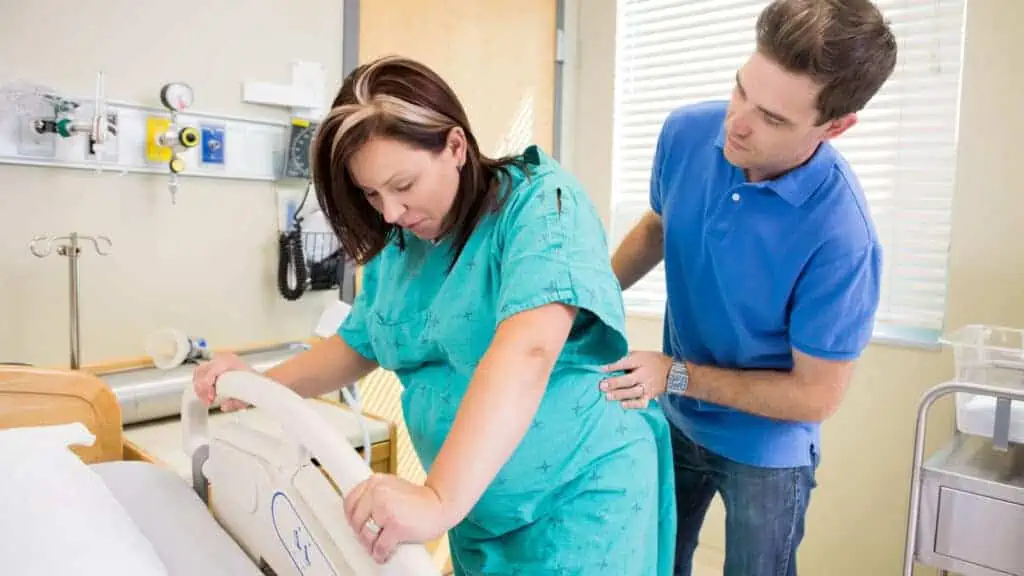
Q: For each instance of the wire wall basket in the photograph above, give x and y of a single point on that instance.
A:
(309, 262)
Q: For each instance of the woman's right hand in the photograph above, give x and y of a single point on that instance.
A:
(204, 380)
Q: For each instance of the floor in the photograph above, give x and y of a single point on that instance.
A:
(706, 562)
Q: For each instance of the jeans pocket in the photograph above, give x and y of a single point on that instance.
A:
(812, 472)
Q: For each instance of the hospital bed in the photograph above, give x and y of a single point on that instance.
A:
(150, 401)
(253, 501)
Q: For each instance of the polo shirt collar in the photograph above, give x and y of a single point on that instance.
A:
(797, 185)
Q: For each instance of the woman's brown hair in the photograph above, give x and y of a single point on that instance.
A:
(404, 100)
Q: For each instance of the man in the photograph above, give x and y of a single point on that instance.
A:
(772, 266)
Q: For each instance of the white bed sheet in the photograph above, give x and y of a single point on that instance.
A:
(57, 516)
(175, 520)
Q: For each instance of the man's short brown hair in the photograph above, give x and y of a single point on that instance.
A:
(845, 46)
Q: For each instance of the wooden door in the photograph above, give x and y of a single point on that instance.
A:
(499, 57)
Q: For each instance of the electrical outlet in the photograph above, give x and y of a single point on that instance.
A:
(32, 144)
(212, 141)
(288, 198)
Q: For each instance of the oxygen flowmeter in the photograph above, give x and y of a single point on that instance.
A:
(167, 140)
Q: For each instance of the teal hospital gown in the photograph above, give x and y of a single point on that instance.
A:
(589, 490)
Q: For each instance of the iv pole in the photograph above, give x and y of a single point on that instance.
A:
(41, 246)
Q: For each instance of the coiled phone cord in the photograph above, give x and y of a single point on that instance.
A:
(291, 257)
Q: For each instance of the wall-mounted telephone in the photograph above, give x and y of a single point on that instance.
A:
(311, 261)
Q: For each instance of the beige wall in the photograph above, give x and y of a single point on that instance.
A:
(207, 265)
(219, 280)
(856, 524)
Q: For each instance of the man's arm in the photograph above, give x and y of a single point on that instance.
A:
(833, 312)
(640, 251)
(811, 392)
(499, 405)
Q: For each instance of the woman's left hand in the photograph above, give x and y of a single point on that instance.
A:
(385, 511)
(645, 378)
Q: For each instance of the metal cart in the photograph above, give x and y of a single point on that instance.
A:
(966, 511)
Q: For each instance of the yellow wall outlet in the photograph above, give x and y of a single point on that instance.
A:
(154, 128)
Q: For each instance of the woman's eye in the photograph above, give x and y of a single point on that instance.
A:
(404, 187)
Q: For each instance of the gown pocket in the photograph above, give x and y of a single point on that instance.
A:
(402, 343)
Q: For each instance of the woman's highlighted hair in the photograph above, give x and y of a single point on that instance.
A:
(403, 100)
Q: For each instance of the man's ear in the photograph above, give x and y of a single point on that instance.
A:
(836, 127)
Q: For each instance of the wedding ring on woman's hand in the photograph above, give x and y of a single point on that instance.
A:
(372, 526)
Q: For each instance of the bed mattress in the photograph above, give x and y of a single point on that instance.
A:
(171, 515)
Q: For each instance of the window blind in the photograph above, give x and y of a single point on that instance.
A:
(675, 52)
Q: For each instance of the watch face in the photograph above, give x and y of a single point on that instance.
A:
(677, 378)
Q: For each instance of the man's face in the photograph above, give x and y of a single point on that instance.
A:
(772, 122)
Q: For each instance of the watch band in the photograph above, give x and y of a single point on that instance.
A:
(678, 378)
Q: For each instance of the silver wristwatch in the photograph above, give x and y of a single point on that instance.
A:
(678, 378)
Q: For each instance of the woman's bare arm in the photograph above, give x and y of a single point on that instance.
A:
(329, 364)
(499, 405)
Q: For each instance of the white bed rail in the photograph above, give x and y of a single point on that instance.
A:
(302, 424)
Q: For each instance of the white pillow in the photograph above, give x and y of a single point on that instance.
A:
(57, 515)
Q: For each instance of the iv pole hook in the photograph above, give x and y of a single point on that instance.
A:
(42, 246)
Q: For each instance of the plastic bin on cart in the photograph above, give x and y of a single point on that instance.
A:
(993, 356)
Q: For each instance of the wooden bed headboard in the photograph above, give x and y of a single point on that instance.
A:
(39, 396)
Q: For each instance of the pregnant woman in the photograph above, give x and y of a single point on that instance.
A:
(487, 289)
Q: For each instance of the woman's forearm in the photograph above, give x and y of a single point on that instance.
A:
(498, 406)
(328, 365)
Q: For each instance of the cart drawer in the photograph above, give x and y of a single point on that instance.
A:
(980, 530)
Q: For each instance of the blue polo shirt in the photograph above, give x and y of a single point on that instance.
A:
(754, 270)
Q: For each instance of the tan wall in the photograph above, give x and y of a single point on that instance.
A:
(856, 524)
(217, 280)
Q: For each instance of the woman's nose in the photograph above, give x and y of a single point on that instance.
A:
(391, 210)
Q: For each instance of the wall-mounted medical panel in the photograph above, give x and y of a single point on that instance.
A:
(43, 128)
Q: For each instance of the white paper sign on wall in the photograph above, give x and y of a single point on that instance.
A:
(304, 95)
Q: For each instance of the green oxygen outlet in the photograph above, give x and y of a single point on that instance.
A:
(64, 127)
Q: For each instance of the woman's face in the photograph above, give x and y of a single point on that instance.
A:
(410, 187)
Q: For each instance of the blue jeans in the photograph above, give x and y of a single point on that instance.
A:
(764, 510)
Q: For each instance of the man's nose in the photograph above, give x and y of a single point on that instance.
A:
(739, 124)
